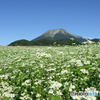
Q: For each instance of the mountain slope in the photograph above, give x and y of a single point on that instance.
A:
(59, 34)
(95, 40)
(52, 37)
(22, 42)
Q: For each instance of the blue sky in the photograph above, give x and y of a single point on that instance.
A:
(27, 19)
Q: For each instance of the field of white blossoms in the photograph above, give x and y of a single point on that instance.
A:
(50, 73)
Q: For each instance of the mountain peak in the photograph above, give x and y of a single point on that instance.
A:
(56, 34)
(52, 33)
(60, 29)
(56, 31)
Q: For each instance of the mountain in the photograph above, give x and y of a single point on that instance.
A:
(95, 40)
(52, 37)
(59, 34)
(22, 42)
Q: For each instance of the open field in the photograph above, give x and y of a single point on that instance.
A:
(49, 73)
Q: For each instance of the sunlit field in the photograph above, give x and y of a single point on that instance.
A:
(50, 73)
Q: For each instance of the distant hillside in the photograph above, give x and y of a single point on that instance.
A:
(20, 43)
(95, 40)
(52, 37)
(45, 42)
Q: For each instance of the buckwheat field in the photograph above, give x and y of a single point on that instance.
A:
(49, 73)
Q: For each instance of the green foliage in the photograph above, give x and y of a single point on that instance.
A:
(21, 43)
(63, 42)
(95, 40)
(49, 73)
(44, 42)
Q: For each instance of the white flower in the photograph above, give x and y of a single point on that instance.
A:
(51, 69)
(7, 94)
(79, 63)
(64, 72)
(62, 53)
(4, 76)
(27, 82)
(51, 91)
(41, 66)
(98, 55)
(38, 95)
(71, 87)
(6, 90)
(84, 71)
(76, 97)
(43, 55)
(38, 82)
(85, 78)
(59, 92)
(86, 62)
(55, 85)
(66, 83)
(72, 60)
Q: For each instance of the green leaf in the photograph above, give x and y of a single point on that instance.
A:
(55, 97)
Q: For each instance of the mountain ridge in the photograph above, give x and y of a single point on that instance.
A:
(51, 37)
(54, 32)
